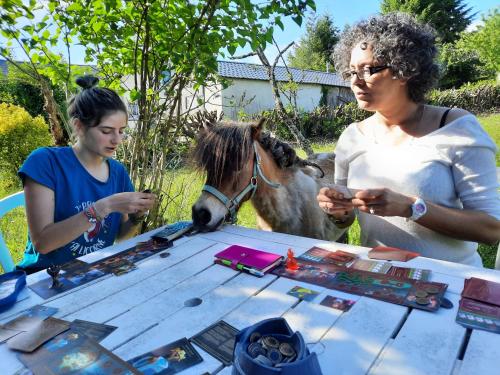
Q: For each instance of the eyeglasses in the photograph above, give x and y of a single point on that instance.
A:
(364, 73)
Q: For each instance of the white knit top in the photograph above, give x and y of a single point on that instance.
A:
(454, 166)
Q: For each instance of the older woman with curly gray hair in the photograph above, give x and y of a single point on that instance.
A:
(423, 177)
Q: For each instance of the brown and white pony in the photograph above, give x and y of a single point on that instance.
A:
(241, 162)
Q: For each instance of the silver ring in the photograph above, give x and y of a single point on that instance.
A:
(372, 210)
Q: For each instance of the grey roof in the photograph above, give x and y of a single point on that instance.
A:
(231, 69)
(3, 67)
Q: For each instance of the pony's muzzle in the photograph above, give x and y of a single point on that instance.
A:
(201, 216)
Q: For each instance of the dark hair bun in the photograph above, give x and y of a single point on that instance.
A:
(87, 82)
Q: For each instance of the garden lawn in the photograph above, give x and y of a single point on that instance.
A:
(183, 188)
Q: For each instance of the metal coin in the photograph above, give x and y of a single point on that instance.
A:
(422, 301)
(270, 342)
(274, 356)
(420, 294)
(286, 349)
(255, 337)
(255, 349)
(432, 289)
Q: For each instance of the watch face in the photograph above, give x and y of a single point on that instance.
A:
(419, 208)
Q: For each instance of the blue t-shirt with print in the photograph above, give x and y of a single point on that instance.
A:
(74, 189)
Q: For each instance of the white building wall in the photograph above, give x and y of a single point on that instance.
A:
(251, 96)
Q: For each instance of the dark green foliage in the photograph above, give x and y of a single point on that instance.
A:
(315, 48)
(460, 66)
(482, 97)
(323, 122)
(448, 17)
(28, 95)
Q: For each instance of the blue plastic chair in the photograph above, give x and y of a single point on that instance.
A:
(8, 204)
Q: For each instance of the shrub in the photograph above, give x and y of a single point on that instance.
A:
(19, 135)
(481, 97)
(321, 123)
(24, 93)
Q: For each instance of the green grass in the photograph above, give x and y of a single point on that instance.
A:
(183, 186)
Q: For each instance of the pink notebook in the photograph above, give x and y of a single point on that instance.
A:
(236, 255)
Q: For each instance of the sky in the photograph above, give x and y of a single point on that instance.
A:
(343, 12)
(348, 12)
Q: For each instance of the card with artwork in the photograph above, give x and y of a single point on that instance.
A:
(337, 303)
(303, 293)
(74, 353)
(167, 360)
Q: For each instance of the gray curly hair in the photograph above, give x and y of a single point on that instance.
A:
(401, 42)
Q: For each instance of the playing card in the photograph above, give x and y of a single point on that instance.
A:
(302, 293)
(6, 334)
(23, 322)
(337, 303)
(74, 353)
(168, 359)
(391, 253)
(40, 311)
(478, 315)
(95, 331)
(371, 266)
(338, 257)
(346, 192)
(36, 336)
(218, 340)
(410, 273)
(116, 265)
(44, 287)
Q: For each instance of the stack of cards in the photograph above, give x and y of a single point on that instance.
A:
(218, 341)
(338, 257)
(168, 359)
(480, 305)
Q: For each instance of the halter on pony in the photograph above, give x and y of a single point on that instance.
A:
(232, 204)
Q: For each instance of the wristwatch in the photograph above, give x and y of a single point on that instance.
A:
(418, 209)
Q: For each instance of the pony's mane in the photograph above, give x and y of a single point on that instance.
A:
(222, 150)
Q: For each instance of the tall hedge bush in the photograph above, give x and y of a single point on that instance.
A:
(20, 134)
(481, 97)
(326, 123)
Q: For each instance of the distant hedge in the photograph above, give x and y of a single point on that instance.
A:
(481, 97)
(327, 123)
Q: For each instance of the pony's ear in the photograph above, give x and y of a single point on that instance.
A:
(257, 128)
(207, 125)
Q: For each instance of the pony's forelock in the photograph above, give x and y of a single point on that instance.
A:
(223, 149)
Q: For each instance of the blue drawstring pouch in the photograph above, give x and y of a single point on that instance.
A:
(244, 363)
(11, 284)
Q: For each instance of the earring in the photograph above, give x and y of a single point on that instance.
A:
(394, 77)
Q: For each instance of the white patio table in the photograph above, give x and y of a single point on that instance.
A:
(373, 337)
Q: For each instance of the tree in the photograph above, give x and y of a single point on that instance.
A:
(35, 38)
(153, 50)
(460, 65)
(486, 41)
(448, 17)
(315, 47)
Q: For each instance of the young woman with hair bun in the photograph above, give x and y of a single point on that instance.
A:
(78, 198)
